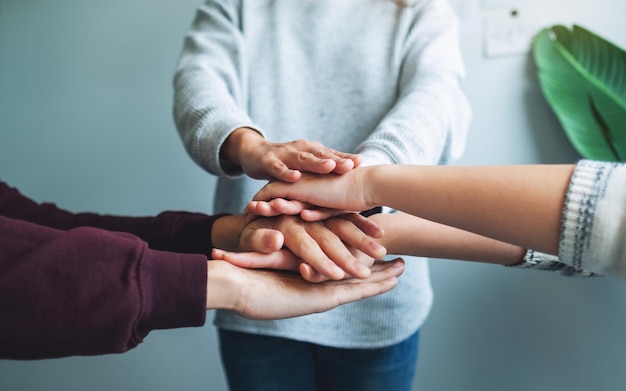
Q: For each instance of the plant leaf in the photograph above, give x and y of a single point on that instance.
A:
(583, 78)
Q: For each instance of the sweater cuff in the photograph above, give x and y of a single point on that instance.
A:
(173, 288)
(374, 157)
(586, 187)
(211, 142)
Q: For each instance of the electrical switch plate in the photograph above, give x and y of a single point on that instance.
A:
(509, 31)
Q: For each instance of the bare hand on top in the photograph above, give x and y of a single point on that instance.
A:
(261, 159)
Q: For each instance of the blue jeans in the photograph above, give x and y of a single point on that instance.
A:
(256, 362)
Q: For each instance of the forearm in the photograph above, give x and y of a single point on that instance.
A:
(514, 204)
(169, 231)
(87, 291)
(409, 235)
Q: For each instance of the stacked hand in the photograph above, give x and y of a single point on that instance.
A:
(261, 159)
(331, 244)
(262, 294)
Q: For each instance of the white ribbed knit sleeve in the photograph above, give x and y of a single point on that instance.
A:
(593, 228)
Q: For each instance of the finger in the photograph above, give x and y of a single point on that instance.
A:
(332, 239)
(280, 169)
(380, 270)
(357, 159)
(308, 273)
(273, 190)
(355, 237)
(366, 225)
(302, 155)
(343, 166)
(300, 241)
(260, 208)
(265, 240)
(344, 161)
(316, 164)
(319, 214)
(281, 260)
(288, 207)
(335, 249)
(275, 207)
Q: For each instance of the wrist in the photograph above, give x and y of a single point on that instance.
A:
(239, 143)
(222, 288)
(227, 231)
(371, 183)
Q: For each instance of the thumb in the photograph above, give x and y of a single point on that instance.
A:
(265, 240)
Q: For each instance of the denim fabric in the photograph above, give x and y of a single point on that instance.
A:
(254, 362)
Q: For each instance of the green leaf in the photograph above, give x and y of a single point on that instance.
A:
(583, 78)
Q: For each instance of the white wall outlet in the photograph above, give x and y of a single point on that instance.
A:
(509, 31)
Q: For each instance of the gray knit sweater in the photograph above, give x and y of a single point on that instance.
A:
(364, 76)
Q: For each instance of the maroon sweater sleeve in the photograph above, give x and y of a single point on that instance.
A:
(170, 231)
(81, 290)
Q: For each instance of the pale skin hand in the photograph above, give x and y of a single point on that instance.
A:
(324, 248)
(257, 294)
(333, 193)
(514, 204)
(261, 159)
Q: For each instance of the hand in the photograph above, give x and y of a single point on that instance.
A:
(339, 192)
(326, 246)
(259, 294)
(261, 159)
(282, 260)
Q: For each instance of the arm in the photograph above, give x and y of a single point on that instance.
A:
(322, 245)
(410, 235)
(210, 100)
(516, 204)
(170, 231)
(429, 121)
(573, 211)
(87, 291)
(406, 235)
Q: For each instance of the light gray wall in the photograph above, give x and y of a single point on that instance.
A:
(85, 121)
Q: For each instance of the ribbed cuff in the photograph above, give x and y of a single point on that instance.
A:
(588, 179)
(173, 288)
(211, 141)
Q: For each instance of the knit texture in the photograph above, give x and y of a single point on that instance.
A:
(364, 76)
(593, 224)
